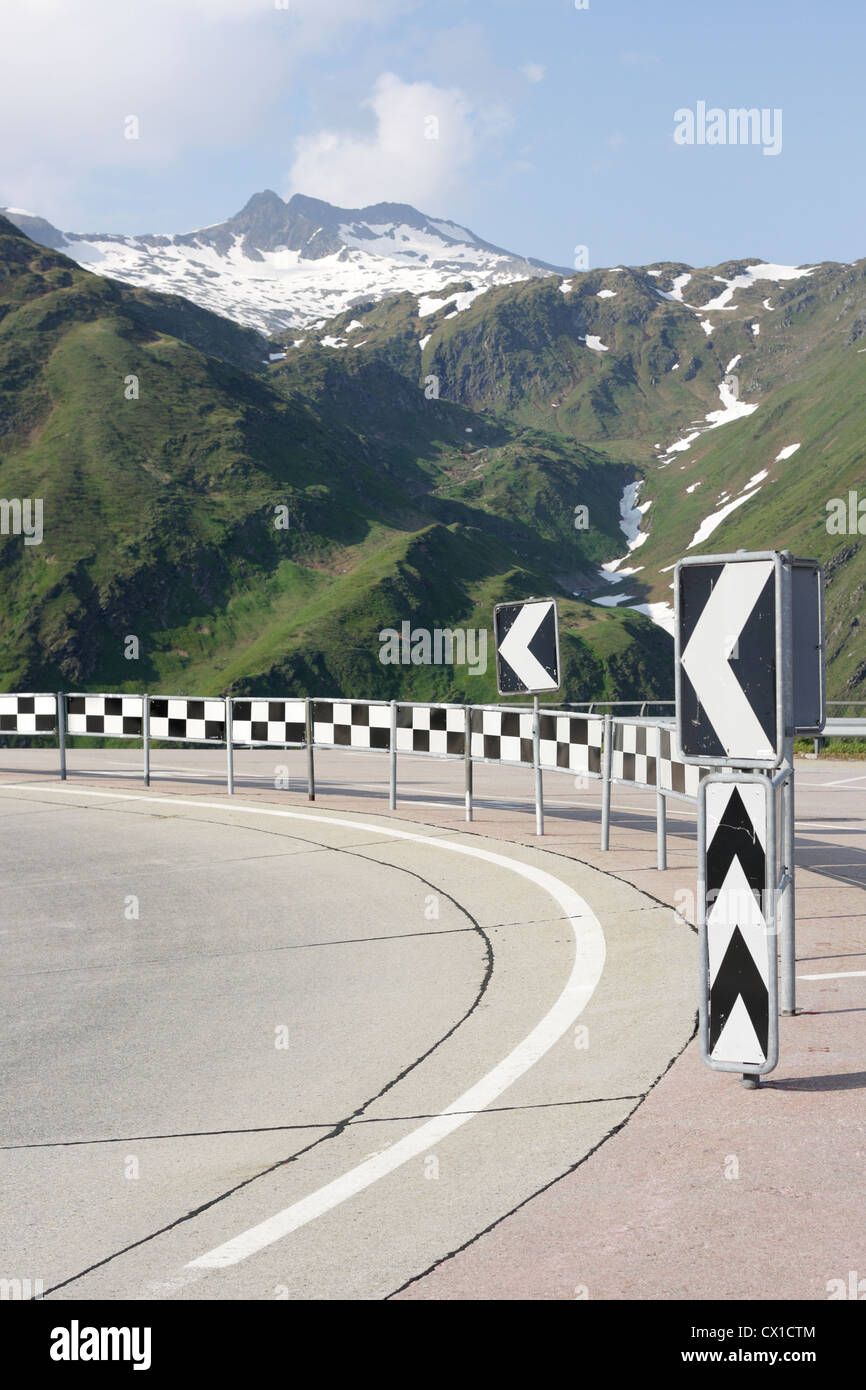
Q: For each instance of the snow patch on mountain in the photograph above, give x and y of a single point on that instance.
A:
(732, 409)
(662, 614)
(429, 305)
(711, 523)
(676, 291)
(631, 513)
(763, 271)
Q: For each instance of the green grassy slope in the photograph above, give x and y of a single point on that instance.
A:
(159, 509)
(520, 354)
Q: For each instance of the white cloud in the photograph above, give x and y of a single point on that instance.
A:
(534, 72)
(199, 74)
(423, 139)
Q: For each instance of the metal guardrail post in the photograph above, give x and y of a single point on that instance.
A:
(230, 762)
(661, 831)
(145, 738)
(311, 769)
(61, 733)
(392, 760)
(467, 761)
(788, 944)
(536, 759)
(606, 761)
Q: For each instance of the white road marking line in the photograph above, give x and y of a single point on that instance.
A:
(843, 781)
(589, 957)
(836, 975)
(831, 825)
(119, 772)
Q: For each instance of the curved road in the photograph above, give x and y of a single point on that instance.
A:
(257, 1053)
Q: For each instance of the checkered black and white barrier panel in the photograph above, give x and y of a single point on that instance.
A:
(436, 729)
(351, 724)
(185, 720)
(644, 754)
(567, 743)
(111, 716)
(571, 743)
(501, 736)
(28, 714)
(269, 721)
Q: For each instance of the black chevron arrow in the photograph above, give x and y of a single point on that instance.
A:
(738, 977)
(736, 838)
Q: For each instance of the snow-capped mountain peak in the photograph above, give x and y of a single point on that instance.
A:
(279, 265)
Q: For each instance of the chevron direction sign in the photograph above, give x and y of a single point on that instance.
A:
(728, 664)
(737, 882)
(527, 647)
(749, 656)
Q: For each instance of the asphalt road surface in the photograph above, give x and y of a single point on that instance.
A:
(258, 1055)
(263, 1049)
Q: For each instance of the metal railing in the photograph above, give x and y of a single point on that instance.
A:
(472, 734)
(842, 726)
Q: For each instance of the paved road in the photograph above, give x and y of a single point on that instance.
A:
(403, 1026)
(230, 1036)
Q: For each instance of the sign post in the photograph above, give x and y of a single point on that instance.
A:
(527, 663)
(749, 677)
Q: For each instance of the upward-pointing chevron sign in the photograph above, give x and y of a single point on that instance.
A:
(738, 942)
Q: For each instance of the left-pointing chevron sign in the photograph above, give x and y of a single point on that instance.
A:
(739, 989)
(527, 647)
(728, 676)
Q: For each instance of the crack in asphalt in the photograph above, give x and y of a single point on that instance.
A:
(327, 1124)
(338, 1128)
(615, 1129)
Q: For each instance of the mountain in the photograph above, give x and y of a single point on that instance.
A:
(160, 444)
(278, 266)
(436, 451)
(734, 393)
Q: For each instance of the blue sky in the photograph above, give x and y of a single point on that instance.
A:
(555, 126)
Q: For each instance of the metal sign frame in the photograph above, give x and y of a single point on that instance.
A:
(771, 896)
(784, 671)
(523, 603)
(803, 564)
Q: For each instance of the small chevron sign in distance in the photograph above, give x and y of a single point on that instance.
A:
(527, 647)
(739, 995)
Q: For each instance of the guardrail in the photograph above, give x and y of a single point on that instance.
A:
(634, 750)
(843, 726)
